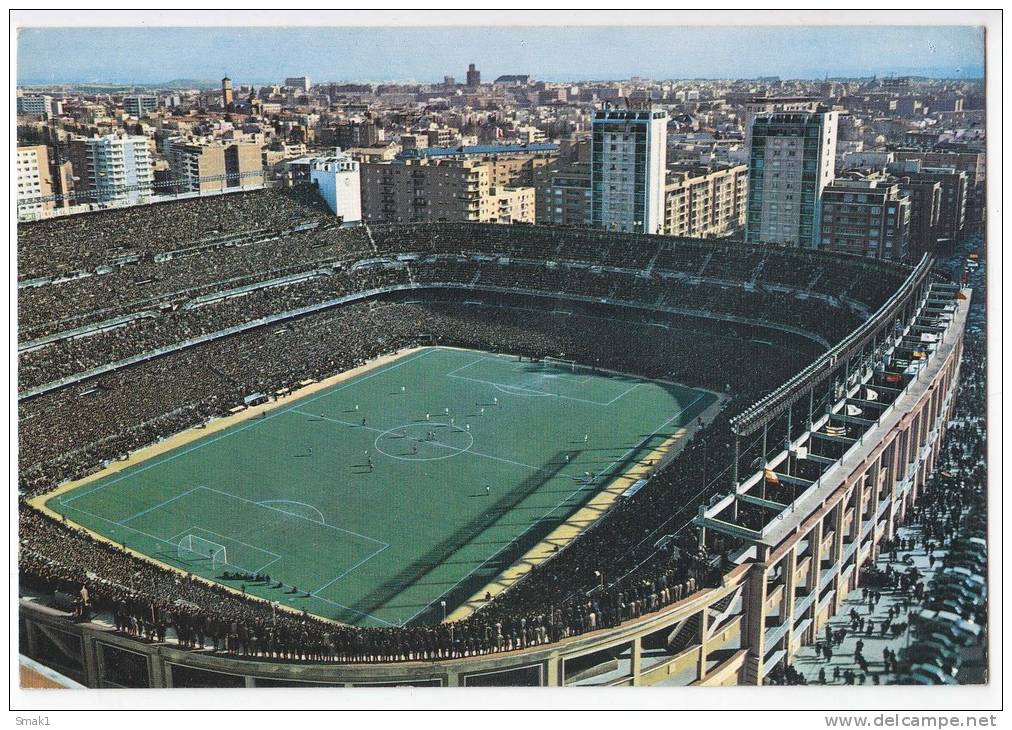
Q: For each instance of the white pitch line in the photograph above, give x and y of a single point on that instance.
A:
(293, 514)
(547, 514)
(533, 391)
(160, 504)
(360, 562)
(265, 502)
(467, 365)
(254, 422)
(353, 610)
(433, 443)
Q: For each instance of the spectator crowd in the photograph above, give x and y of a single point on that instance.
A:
(715, 315)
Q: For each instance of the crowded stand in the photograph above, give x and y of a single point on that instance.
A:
(637, 305)
(81, 242)
(508, 624)
(77, 282)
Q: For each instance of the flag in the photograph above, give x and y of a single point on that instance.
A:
(836, 431)
(870, 394)
(771, 476)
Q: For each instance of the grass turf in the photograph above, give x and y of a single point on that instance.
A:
(343, 495)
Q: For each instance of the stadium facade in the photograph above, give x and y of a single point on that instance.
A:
(846, 444)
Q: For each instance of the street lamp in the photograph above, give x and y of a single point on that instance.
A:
(442, 604)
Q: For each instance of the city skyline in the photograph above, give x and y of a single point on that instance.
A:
(550, 53)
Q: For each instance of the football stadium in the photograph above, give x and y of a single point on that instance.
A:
(378, 515)
(260, 448)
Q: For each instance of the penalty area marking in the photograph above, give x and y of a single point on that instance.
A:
(267, 502)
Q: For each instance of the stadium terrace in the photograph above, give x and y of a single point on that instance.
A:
(708, 440)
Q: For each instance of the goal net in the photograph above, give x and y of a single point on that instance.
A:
(558, 364)
(192, 547)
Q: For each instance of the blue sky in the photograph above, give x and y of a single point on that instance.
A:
(259, 55)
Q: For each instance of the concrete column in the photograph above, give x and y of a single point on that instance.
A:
(553, 672)
(29, 631)
(755, 611)
(637, 661)
(895, 476)
(876, 471)
(790, 564)
(156, 670)
(857, 522)
(704, 627)
(838, 515)
(89, 655)
(814, 574)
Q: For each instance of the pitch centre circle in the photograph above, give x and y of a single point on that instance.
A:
(415, 441)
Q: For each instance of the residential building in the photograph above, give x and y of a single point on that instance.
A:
(974, 164)
(628, 162)
(866, 216)
(338, 178)
(298, 82)
(352, 134)
(516, 205)
(195, 166)
(140, 104)
(35, 187)
(925, 213)
(511, 165)
(35, 105)
(765, 105)
(954, 194)
(201, 166)
(791, 160)
(244, 164)
(706, 202)
(564, 199)
(530, 135)
(112, 168)
(441, 190)
(563, 186)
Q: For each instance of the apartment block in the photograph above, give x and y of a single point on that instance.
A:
(199, 166)
(140, 104)
(702, 202)
(865, 217)
(35, 187)
(792, 158)
(441, 190)
(35, 105)
(628, 163)
(112, 169)
(925, 214)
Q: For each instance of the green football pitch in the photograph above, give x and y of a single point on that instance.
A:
(378, 498)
